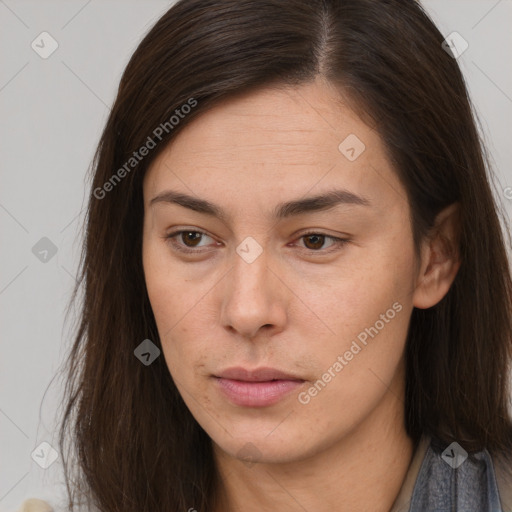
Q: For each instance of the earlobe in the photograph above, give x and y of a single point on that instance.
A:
(440, 259)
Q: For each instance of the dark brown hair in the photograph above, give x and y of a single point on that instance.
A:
(136, 446)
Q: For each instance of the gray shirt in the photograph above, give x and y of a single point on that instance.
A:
(448, 479)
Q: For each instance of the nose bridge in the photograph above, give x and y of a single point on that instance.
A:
(251, 301)
(250, 272)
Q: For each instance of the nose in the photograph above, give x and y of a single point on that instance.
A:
(255, 297)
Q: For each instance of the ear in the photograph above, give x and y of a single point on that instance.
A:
(440, 259)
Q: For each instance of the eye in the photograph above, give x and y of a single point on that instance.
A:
(189, 239)
(315, 241)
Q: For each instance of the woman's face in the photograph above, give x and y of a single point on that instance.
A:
(253, 291)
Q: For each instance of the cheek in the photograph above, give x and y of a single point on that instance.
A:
(167, 290)
(371, 307)
(179, 314)
(161, 285)
(351, 304)
(383, 275)
(371, 330)
(162, 299)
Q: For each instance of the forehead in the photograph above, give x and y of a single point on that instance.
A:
(276, 141)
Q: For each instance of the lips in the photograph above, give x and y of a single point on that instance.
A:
(257, 375)
(256, 388)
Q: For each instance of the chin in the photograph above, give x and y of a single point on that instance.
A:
(258, 447)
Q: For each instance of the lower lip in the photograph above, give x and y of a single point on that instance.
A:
(257, 394)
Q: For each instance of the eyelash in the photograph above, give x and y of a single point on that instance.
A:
(338, 242)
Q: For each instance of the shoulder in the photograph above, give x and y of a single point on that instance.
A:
(35, 505)
(450, 476)
(443, 475)
(503, 471)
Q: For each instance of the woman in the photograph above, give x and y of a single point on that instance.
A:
(296, 287)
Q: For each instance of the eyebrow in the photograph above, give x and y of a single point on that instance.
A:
(316, 203)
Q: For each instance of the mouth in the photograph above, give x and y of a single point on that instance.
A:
(256, 388)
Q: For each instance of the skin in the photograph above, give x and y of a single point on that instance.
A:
(299, 305)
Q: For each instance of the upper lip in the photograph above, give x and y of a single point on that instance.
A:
(256, 375)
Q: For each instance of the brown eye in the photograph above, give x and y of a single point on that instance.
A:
(314, 241)
(187, 240)
(191, 236)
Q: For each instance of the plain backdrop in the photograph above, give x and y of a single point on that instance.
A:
(52, 113)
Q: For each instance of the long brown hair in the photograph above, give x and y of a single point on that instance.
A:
(131, 440)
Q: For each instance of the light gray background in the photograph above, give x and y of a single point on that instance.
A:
(52, 114)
